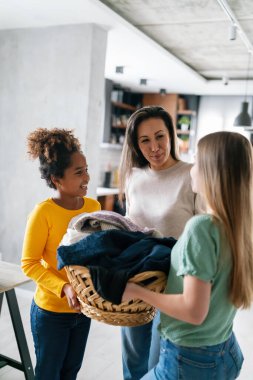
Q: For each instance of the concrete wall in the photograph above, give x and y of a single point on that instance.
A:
(49, 77)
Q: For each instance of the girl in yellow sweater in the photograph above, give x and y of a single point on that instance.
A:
(59, 330)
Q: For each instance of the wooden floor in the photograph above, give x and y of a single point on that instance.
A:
(103, 354)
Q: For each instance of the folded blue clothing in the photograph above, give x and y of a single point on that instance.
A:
(114, 256)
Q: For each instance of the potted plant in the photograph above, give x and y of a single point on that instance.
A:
(184, 122)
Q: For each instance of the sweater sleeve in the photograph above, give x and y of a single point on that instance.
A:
(127, 196)
(35, 240)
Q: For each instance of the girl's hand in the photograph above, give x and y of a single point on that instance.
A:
(71, 297)
(130, 292)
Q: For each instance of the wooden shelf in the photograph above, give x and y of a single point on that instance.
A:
(186, 112)
(124, 106)
(180, 132)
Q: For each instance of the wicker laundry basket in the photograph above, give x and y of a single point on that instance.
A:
(132, 313)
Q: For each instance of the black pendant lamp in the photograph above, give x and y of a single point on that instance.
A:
(244, 119)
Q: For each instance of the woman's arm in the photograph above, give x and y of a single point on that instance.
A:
(191, 306)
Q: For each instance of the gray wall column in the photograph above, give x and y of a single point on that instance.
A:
(49, 77)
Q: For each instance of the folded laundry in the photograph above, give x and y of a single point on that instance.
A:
(114, 256)
(87, 223)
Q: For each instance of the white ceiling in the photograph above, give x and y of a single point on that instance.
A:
(128, 46)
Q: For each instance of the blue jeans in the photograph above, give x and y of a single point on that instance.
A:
(59, 341)
(140, 349)
(220, 362)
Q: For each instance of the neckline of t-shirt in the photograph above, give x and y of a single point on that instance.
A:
(162, 171)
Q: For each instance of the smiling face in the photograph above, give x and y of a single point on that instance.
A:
(75, 179)
(154, 143)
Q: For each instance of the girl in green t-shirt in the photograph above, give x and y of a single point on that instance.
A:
(211, 273)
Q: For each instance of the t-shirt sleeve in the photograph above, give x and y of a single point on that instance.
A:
(199, 250)
(97, 206)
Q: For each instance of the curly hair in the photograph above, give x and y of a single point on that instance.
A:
(54, 149)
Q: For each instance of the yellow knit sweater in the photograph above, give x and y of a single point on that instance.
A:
(45, 228)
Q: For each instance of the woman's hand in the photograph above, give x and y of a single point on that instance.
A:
(71, 297)
(130, 292)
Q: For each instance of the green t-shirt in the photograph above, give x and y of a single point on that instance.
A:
(202, 252)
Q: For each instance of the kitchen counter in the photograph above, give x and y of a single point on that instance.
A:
(104, 191)
(107, 197)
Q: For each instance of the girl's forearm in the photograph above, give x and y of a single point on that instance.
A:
(177, 306)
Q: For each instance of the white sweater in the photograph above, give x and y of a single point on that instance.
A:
(161, 199)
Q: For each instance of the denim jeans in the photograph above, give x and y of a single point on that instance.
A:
(59, 341)
(140, 349)
(220, 362)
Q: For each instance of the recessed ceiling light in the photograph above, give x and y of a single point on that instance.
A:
(143, 81)
(119, 69)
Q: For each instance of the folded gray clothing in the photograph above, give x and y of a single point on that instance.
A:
(103, 220)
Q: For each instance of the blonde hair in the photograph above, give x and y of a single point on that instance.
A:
(131, 154)
(226, 166)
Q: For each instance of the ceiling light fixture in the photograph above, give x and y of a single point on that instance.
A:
(226, 8)
(119, 69)
(232, 32)
(225, 80)
(244, 119)
(143, 81)
(162, 91)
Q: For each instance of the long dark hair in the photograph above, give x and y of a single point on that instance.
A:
(131, 154)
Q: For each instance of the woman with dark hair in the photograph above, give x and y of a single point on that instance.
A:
(59, 330)
(157, 188)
